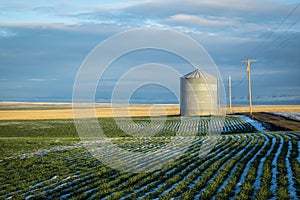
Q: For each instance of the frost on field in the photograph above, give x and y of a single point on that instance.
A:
(290, 115)
(256, 124)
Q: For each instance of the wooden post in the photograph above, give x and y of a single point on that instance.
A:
(249, 83)
(229, 90)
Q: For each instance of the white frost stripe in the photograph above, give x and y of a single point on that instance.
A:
(235, 167)
(160, 185)
(290, 176)
(257, 182)
(273, 186)
(247, 168)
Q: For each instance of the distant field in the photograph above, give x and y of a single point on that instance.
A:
(9, 111)
(268, 108)
(33, 111)
(44, 159)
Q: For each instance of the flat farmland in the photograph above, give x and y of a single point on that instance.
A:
(37, 111)
(46, 159)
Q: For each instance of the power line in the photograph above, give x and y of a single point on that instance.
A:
(273, 32)
(290, 13)
(241, 81)
(284, 43)
(283, 34)
(288, 38)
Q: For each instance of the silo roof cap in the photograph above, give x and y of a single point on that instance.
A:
(198, 73)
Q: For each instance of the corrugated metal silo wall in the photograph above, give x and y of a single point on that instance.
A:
(198, 96)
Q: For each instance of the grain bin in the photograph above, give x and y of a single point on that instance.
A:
(198, 94)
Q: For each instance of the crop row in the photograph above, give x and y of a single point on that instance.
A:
(179, 126)
(243, 166)
(119, 127)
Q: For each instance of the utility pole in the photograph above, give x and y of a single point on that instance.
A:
(229, 90)
(248, 61)
(219, 97)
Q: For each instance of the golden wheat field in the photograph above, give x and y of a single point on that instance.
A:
(33, 111)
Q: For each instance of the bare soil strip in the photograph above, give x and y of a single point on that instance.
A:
(278, 122)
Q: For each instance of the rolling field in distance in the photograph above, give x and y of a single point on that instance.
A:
(47, 159)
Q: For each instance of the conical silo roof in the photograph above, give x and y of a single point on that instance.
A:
(198, 73)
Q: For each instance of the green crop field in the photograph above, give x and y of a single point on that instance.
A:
(46, 159)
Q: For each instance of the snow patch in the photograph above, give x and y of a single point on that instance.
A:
(256, 124)
(290, 115)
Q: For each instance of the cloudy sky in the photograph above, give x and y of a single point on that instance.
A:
(43, 43)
